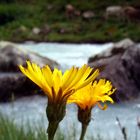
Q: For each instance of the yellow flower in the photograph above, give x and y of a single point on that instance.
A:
(58, 86)
(92, 94)
(87, 97)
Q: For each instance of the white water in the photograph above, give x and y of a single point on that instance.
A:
(67, 54)
(32, 109)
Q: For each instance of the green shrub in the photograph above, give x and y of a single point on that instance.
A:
(9, 13)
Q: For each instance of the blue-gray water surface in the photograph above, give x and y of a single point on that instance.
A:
(32, 109)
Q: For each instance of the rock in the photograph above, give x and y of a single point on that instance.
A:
(125, 43)
(62, 31)
(88, 15)
(23, 28)
(69, 10)
(131, 62)
(77, 13)
(50, 7)
(128, 13)
(45, 30)
(20, 30)
(117, 48)
(131, 13)
(123, 69)
(12, 81)
(12, 55)
(114, 11)
(15, 85)
(36, 30)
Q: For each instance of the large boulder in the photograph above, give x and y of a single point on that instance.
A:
(12, 55)
(122, 67)
(12, 81)
(15, 85)
(117, 48)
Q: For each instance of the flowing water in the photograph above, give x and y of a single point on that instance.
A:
(32, 109)
(67, 54)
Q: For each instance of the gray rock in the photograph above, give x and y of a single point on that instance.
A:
(88, 14)
(123, 70)
(15, 85)
(117, 48)
(12, 81)
(131, 62)
(36, 30)
(114, 11)
(12, 55)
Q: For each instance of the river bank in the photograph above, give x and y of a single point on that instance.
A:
(31, 109)
(46, 21)
(65, 56)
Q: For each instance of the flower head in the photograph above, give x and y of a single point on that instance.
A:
(92, 94)
(87, 97)
(58, 86)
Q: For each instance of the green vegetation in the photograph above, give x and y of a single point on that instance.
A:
(19, 17)
(10, 131)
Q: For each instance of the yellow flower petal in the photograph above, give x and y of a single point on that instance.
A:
(92, 94)
(87, 81)
(34, 73)
(78, 76)
(47, 71)
(57, 86)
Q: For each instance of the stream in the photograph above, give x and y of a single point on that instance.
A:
(32, 109)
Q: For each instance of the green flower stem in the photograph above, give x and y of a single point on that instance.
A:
(83, 132)
(84, 116)
(55, 113)
(52, 130)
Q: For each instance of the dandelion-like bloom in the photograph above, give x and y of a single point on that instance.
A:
(87, 97)
(58, 87)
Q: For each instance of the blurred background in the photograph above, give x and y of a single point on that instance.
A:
(63, 33)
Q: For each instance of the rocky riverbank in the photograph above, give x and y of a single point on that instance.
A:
(121, 65)
(12, 83)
